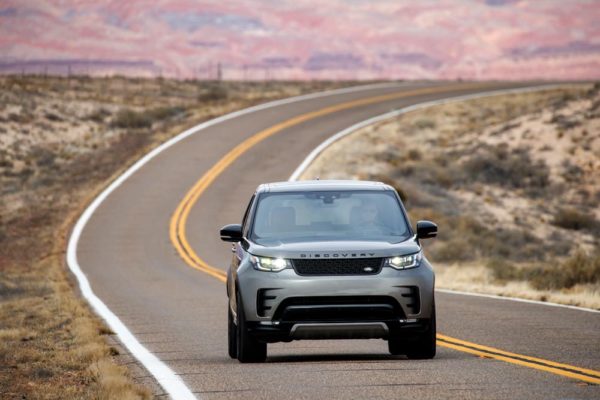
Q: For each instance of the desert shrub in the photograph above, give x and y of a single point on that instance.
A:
(454, 250)
(463, 238)
(570, 218)
(503, 270)
(563, 122)
(412, 195)
(14, 117)
(214, 93)
(5, 162)
(425, 123)
(98, 115)
(130, 119)
(581, 268)
(430, 214)
(562, 100)
(127, 118)
(506, 167)
(388, 181)
(510, 244)
(50, 116)
(162, 113)
(43, 157)
(571, 172)
(414, 155)
(443, 177)
(505, 128)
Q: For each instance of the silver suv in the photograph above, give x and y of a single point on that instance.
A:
(329, 260)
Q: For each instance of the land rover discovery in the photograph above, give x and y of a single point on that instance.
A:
(329, 260)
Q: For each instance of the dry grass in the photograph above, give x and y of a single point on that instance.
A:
(510, 180)
(61, 141)
(478, 278)
(51, 343)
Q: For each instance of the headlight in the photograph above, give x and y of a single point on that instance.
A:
(269, 264)
(405, 262)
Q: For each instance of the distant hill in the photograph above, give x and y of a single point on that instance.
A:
(311, 39)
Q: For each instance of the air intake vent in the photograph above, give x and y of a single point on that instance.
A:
(264, 301)
(413, 299)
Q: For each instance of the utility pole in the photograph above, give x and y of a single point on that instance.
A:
(219, 72)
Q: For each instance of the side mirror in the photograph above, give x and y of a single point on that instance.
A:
(231, 233)
(426, 230)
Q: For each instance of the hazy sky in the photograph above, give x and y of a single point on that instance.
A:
(309, 38)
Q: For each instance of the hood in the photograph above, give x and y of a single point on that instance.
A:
(335, 249)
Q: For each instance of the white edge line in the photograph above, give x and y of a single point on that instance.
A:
(497, 297)
(166, 377)
(336, 137)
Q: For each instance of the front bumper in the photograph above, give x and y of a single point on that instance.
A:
(280, 306)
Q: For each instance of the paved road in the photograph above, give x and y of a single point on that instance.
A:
(179, 313)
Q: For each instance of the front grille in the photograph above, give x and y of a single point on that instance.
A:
(338, 266)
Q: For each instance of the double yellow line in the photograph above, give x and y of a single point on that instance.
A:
(569, 371)
(177, 228)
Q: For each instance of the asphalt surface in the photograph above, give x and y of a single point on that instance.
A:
(179, 313)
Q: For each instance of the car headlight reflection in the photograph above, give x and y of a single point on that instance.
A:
(406, 261)
(270, 264)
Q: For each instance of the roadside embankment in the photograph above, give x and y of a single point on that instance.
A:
(512, 180)
(61, 141)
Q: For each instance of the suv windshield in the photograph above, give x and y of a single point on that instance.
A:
(329, 215)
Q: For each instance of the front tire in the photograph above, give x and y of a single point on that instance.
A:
(425, 346)
(231, 334)
(420, 348)
(249, 350)
(396, 346)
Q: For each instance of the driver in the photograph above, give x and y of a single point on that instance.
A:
(369, 214)
(368, 220)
